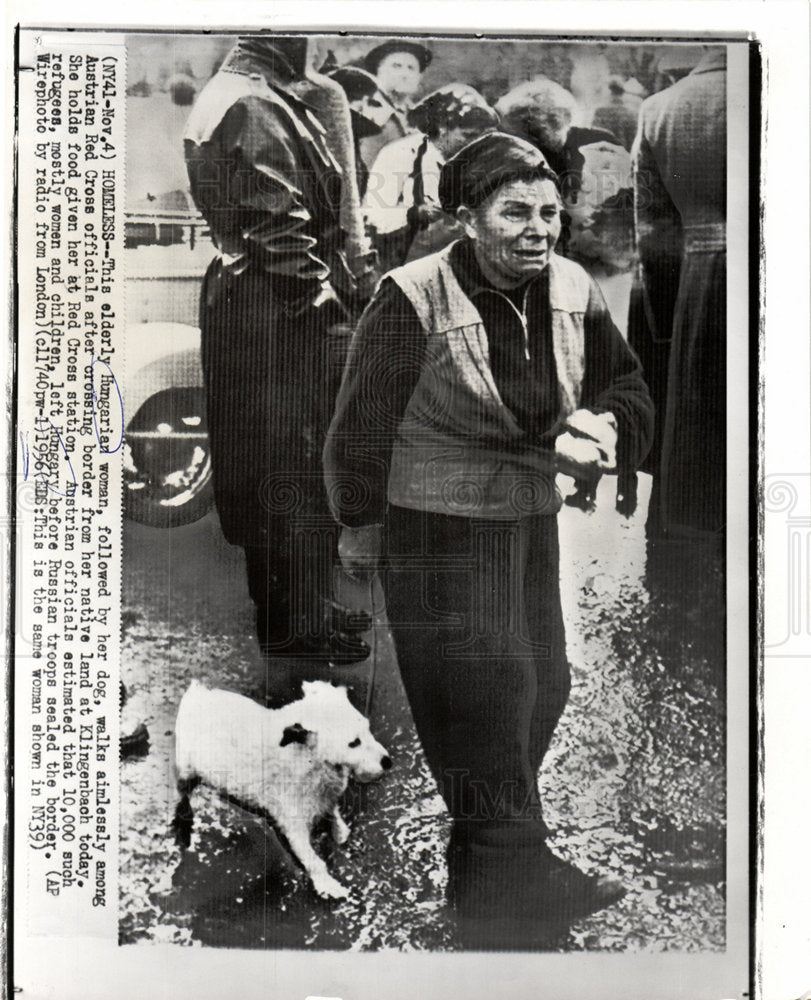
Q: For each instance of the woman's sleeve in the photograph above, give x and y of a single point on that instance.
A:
(613, 382)
(382, 370)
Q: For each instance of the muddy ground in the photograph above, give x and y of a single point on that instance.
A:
(633, 784)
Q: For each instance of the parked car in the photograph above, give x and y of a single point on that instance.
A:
(167, 457)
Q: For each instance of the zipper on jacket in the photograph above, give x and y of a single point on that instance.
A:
(521, 314)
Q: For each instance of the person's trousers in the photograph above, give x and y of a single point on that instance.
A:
(270, 389)
(474, 608)
(290, 580)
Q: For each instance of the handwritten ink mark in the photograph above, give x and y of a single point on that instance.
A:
(104, 449)
(44, 425)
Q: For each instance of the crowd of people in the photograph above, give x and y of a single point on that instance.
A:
(483, 361)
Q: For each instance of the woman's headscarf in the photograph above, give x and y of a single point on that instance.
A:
(483, 165)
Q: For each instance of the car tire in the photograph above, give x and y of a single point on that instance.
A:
(167, 460)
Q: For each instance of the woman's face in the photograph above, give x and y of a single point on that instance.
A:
(515, 230)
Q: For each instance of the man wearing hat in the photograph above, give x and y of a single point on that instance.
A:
(397, 65)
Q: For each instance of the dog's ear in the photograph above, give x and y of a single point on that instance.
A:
(294, 734)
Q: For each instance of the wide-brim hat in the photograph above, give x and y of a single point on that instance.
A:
(375, 56)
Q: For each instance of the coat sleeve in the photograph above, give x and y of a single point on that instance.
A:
(658, 235)
(384, 365)
(264, 194)
(613, 382)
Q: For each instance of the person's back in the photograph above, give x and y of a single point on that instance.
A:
(680, 187)
(685, 127)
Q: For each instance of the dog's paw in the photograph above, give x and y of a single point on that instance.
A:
(330, 888)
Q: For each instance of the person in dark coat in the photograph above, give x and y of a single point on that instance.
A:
(264, 179)
(680, 197)
(475, 374)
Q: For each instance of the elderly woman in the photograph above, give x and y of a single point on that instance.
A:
(476, 374)
(402, 203)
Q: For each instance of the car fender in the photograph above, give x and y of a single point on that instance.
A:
(159, 356)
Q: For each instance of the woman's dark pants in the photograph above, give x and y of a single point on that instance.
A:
(474, 608)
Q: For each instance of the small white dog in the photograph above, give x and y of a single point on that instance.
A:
(291, 763)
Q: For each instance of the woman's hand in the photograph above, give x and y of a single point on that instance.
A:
(587, 448)
(359, 550)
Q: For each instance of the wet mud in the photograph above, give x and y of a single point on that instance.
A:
(633, 785)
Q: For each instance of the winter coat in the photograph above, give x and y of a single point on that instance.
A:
(680, 174)
(263, 177)
(454, 392)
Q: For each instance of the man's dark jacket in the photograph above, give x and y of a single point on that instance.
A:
(264, 179)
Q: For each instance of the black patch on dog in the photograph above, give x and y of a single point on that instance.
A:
(294, 734)
(134, 744)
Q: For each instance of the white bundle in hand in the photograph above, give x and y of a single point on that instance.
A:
(588, 445)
